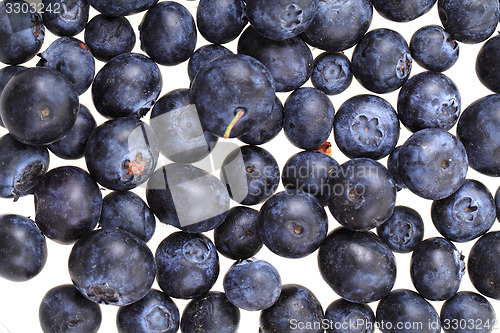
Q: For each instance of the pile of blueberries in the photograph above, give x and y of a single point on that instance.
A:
(234, 96)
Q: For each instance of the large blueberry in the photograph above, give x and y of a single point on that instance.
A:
(483, 265)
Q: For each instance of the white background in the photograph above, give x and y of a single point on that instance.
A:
(19, 302)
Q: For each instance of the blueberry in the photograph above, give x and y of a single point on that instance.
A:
(497, 202)
(238, 236)
(38, 106)
(466, 214)
(127, 211)
(339, 25)
(122, 153)
(487, 65)
(471, 308)
(188, 198)
(204, 55)
(433, 48)
(308, 118)
(331, 73)
(393, 167)
(366, 126)
(137, 83)
(381, 61)
(403, 231)
(241, 100)
(469, 21)
(64, 309)
(279, 20)
(210, 313)
(290, 61)
(433, 163)
(155, 312)
(483, 266)
(429, 100)
(23, 249)
(436, 268)
(221, 21)
(363, 194)
(251, 174)
(407, 309)
(402, 11)
(67, 204)
(108, 36)
(187, 265)
(111, 267)
(65, 18)
(477, 129)
(252, 284)
(176, 123)
(357, 265)
(121, 7)
(346, 317)
(296, 304)
(292, 224)
(23, 166)
(168, 33)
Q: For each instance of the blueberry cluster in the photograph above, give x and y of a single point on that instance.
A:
(156, 169)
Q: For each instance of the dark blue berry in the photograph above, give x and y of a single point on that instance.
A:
(433, 48)
(403, 231)
(332, 73)
(65, 17)
(221, 21)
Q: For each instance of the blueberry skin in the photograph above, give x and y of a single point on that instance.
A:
(22, 34)
(497, 202)
(477, 130)
(331, 73)
(108, 36)
(295, 304)
(64, 309)
(343, 264)
(308, 118)
(381, 61)
(23, 166)
(487, 66)
(310, 171)
(111, 267)
(205, 55)
(339, 25)
(6, 74)
(466, 214)
(188, 198)
(72, 144)
(469, 21)
(67, 18)
(127, 211)
(402, 11)
(23, 249)
(468, 307)
(155, 312)
(292, 224)
(67, 204)
(433, 163)
(393, 167)
(252, 284)
(168, 33)
(409, 309)
(348, 315)
(436, 269)
(38, 106)
(187, 265)
(403, 231)
(429, 100)
(290, 61)
(280, 20)
(433, 48)
(73, 59)
(121, 7)
(122, 153)
(366, 126)
(238, 236)
(251, 174)
(363, 194)
(137, 83)
(269, 129)
(176, 123)
(244, 85)
(221, 21)
(210, 313)
(483, 267)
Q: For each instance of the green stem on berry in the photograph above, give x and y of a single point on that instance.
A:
(233, 122)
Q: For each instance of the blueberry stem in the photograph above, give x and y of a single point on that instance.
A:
(233, 122)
